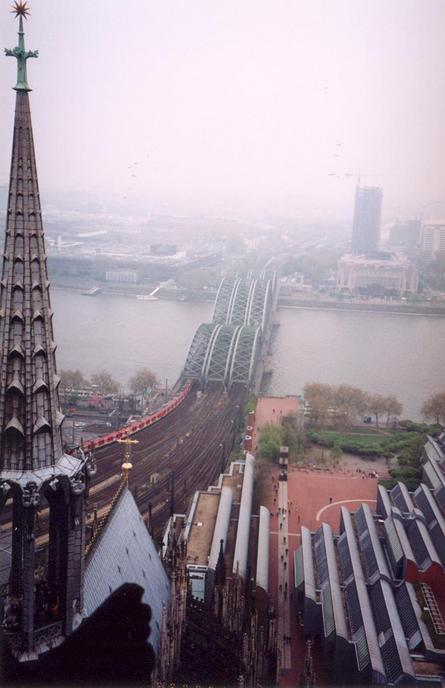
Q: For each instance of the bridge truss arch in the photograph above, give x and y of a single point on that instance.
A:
(220, 354)
(236, 314)
(242, 366)
(198, 350)
(222, 300)
(223, 353)
(226, 350)
(244, 301)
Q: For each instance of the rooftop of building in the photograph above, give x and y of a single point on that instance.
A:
(123, 552)
(375, 259)
(368, 187)
(234, 480)
(433, 222)
(201, 531)
(216, 514)
(419, 609)
(203, 512)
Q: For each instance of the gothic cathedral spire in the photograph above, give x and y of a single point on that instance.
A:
(30, 418)
(43, 601)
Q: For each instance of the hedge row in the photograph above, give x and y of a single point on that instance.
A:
(364, 446)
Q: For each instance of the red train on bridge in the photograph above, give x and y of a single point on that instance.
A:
(141, 424)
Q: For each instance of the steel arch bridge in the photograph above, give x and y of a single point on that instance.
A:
(223, 353)
(226, 349)
(244, 301)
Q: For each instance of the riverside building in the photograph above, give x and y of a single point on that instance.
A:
(377, 274)
(433, 238)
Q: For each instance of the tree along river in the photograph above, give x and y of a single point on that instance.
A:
(379, 352)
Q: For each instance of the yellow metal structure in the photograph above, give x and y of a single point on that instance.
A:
(127, 465)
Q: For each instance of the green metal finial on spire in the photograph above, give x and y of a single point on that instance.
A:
(21, 9)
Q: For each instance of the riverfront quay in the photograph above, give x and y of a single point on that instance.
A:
(395, 307)
(132, 291)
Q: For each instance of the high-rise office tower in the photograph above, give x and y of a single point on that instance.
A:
(366, 224)
(433, 238)
(406, 234)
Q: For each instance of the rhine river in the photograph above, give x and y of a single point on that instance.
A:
(379, 352)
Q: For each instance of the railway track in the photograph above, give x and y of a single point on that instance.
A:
(180, 453)
(174, 458)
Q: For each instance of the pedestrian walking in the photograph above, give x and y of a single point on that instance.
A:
(284, 541)
(287, 551)
(280, 587)
(282, 557)
(285, 565)
(330, 500)
(281, 526)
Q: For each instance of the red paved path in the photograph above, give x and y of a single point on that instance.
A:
(272, 410)
(308, 493)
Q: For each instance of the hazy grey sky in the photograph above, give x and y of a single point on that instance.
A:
(235, 104)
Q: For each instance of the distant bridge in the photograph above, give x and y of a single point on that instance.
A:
(226, 349)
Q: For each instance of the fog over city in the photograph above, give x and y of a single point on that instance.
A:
(222, 326)
(252, 106)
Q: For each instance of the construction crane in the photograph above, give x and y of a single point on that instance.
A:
(358, 175)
